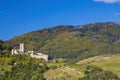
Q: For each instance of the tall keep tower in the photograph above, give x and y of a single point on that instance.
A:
(22, 48)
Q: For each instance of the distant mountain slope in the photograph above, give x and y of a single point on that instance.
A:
(77, 42)
(36, 39)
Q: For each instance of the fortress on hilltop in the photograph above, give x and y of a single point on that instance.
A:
(31, 53)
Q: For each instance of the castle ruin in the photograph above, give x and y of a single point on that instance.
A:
(18, 51)
(21, 50)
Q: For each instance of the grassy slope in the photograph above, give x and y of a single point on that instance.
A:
(106, 62)
(64, 71)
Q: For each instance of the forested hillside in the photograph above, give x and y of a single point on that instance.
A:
(5, 49)
(66, 45)
(73, 42)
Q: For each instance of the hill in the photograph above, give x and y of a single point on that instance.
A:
(106, 62)
(23, 67)
(73, 42)
(96, 68)
(4, 49)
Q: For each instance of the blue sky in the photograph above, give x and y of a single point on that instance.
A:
(21, 16)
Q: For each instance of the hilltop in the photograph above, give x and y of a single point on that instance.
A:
(73, 42)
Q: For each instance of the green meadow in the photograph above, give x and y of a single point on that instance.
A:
(106, 62)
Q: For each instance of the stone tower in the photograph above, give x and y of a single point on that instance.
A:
(22, 48)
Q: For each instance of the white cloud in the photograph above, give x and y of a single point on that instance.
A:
(108, 1)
